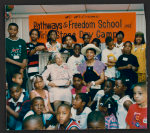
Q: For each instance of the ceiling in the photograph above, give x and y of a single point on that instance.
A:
(75, 8)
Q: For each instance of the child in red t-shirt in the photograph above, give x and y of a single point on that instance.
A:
(137, 113)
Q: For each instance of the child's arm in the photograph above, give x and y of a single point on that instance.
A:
(90, 104)
(129, 66)
(101, 80)
(38, 48)
(32, 95)
(12, 112)
(110, 63)
(50, 107)
(22, 65)
(127, 104)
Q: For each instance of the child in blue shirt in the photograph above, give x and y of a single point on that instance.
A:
(17, 106)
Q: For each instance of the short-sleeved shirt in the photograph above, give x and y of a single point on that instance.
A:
(124, 60)
(113, 55)
(122, 112)
(74, 62)
(82, 118)
(55, 48)
(44, 116)
(140, 53)
(15, 50)
(137, 117)
(111, 122)
(22, 106)
(83, 90)
(33, 61)
(96, 70)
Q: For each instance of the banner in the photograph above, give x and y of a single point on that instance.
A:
(97, 25)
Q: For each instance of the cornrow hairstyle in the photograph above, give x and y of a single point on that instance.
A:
(95, 116)
(49, 39)
(112, 82)
(36, 31)
(127, 83)
(110, 104)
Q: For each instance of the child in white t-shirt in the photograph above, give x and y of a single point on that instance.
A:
(80, 110)
(52, 45)
(76, 59)
(109, 57)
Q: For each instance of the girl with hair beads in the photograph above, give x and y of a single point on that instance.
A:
(107, 90)
(109, 107)
(69, 40)
(124, 102)
(52, 45)
(39, 91)
(80, 110)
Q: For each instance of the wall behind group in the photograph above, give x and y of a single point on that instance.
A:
(23, 23)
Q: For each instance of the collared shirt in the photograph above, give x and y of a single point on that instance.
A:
(22, 106)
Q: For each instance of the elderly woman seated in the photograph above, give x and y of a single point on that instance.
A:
(59, 85)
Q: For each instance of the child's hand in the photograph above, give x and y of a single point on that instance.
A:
(68, 83)
(51, 84)
(23, 65)
(129, 66)
(89, 85)
(134, 68)
(39, 48)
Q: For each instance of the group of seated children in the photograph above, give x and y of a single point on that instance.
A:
(111, 113)
(120, 103)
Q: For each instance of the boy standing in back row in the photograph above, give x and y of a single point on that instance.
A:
(16, 53)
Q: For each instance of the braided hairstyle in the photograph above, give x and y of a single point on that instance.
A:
(110, 104)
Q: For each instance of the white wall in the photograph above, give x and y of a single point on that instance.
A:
(24, 26)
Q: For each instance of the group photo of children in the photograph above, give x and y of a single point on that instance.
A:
(96, 86)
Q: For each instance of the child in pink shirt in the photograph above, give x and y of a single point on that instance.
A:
(78, 85)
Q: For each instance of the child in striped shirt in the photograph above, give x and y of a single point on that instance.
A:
(109, 106)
